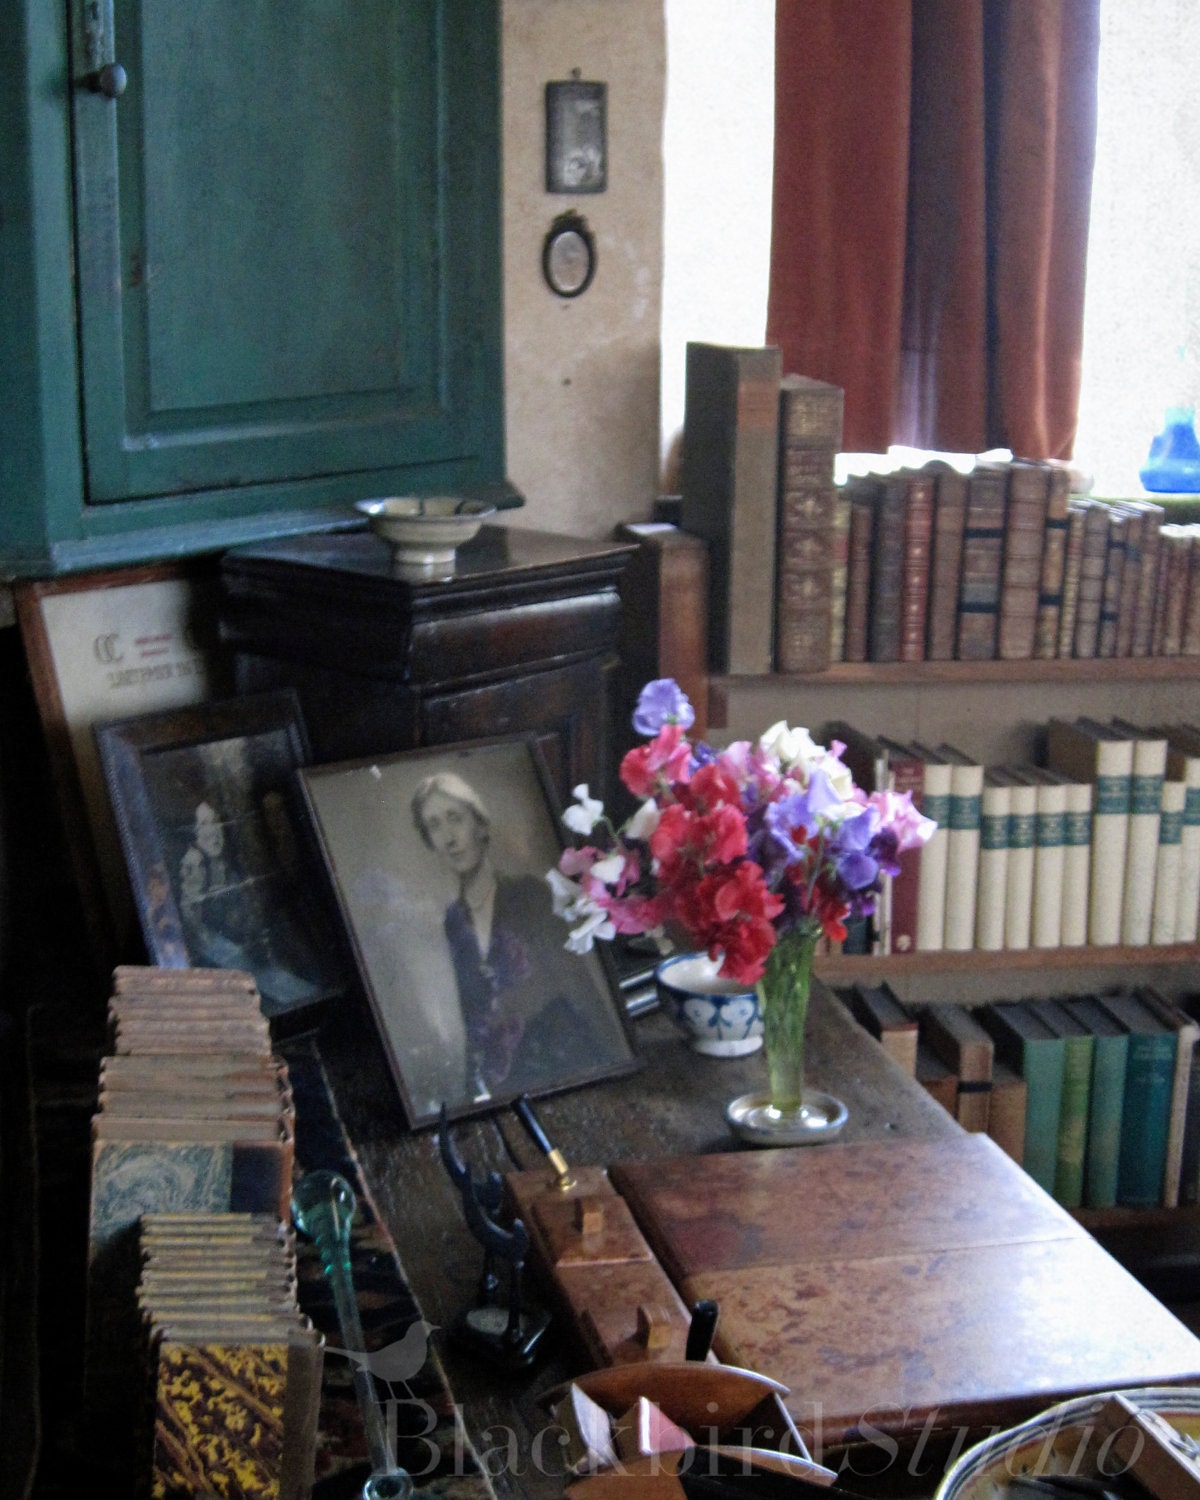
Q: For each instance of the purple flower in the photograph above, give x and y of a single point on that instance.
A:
(662, 702)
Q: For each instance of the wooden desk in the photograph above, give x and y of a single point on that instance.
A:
(673, 1107)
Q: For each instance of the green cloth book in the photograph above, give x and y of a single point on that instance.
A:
(1076, 1099)
(1149, 1083)
(1026, 1043)
(1110, 1050)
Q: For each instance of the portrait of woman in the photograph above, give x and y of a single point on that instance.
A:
(439, 860)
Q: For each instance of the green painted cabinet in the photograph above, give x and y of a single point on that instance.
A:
(259, 281)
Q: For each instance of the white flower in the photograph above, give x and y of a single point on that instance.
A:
(584, 813)
(563, 892)
(609, 869)
(644, 821)
(841, 778)
(793, 748)
(596, 925)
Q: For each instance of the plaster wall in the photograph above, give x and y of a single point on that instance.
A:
(582, 374)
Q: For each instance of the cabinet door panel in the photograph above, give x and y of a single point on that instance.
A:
(267, 269)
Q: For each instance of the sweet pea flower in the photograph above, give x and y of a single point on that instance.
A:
(584, 813)
(643, 823)
(660, 703)
(790, 747)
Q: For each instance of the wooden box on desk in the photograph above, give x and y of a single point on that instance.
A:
(520, 638)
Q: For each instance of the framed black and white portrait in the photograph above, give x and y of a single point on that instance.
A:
(438, 859)
(214, 837)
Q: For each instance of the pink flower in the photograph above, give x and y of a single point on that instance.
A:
(896, 810)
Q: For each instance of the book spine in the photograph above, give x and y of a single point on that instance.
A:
(1073, 1120)
(1185, 1051)
(1049, 865)
(1131, 579)
(962, 856)
(730, 492)
(1077, 861)
(982, 560)
(1054, 561)
(946, 566)
(1022, 845)
(1143, 624)
(839, 577)
(1110, 594)
(1024, 541)
(1110, 839)
(931, 885)
(1159, 621)
(914, 584)
(1141, 854)
(1187, 914)
(1091, 580)
(1104, 1120)
(1190, 642)
(907, 775)
(1179, 550)
(1145, 1120)
(1042, 1069)
(858, 567)
(993, 867)
(1076, 519)
(1006, 1111)
(1170, 852)
(887, 570)
(804, 546)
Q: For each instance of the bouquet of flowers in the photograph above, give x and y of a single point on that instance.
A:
(739, 849)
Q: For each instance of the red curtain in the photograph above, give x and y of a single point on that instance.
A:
(933, 164)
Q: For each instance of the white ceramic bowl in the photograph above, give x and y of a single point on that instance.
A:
(720, 1017)
(425, 530)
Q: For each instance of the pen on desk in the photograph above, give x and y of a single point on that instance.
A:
(523, 1110)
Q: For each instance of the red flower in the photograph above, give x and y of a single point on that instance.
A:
(668, 757)
(730, 911)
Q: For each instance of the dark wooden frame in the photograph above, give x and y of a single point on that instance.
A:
(388, 908)
(252, 747)
(90, 834)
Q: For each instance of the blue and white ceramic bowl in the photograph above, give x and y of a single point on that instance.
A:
(720, 1016)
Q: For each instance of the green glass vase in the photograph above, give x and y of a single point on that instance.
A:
(783, 993)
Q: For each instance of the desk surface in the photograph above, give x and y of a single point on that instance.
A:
(672, 1107)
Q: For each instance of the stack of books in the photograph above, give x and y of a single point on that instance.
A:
(1100, 846)
(195, 1116)
(222, 1336)
(1097, 1097)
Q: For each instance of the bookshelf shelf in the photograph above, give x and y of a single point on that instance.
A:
(979, 673)
(846, 968)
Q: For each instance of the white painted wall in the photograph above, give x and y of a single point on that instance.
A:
(582, 375)
(719, 150)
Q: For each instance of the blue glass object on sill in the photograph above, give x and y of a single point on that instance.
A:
(1173, 466)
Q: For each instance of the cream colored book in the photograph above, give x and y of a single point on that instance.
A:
(992, 884)
(1166, 875)
(1091, 752)
(1145, 815)
(1049, 856)
(1077, 863)
(962, 854)
(1183, 763)
(931, 884)
(1022, 849)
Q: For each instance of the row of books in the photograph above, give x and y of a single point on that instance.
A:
(1101, 845)
(1097, 1096)
(195, 1116)
(1002, 562)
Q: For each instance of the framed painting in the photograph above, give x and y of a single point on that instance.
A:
(438, 859)
(214, 838)
(104, 646)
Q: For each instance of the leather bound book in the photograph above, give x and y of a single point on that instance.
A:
(810, 413)
(887, 570)
(1024, 543)
(1178, 544)
(967, 1050)
(1143, 622)
(804, 557)
(914, 581)
(906, 773)
(839, 576)
(1114, 575)
(862, 491)
(945, 567)
(982, 557)
(1131, 578)
(1054, 559)
(1190, 642)
(1091, 579)
(730, 490)
(1076, 520)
